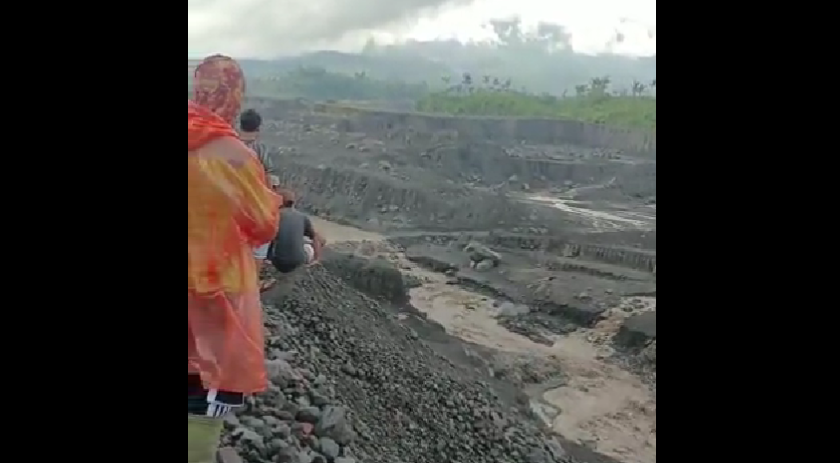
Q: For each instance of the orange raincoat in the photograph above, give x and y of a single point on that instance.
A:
(230, 211)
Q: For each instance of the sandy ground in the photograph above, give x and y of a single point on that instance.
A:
(600, 404)
(335, 233)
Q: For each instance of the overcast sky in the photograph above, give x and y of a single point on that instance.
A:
(268, 28)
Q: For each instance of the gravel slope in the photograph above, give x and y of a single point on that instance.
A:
(351, 384)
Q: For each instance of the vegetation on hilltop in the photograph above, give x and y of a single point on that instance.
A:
(593, 102)
(319, 84)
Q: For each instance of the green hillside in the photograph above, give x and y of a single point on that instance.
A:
(626, 111)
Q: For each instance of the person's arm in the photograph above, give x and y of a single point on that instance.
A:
(318, 246)
(240, 177)
(266, 155)
(317, 241)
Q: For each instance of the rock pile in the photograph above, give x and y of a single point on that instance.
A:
(482, 258)
(350, 384)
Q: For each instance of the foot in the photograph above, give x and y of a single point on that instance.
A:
(267, 284)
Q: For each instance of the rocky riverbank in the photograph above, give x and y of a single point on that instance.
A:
(351, 383)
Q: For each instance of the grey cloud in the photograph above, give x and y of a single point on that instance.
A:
(266, 28)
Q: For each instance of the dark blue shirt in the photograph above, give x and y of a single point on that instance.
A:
(288, 245)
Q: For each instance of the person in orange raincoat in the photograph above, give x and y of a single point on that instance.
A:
(230, 210)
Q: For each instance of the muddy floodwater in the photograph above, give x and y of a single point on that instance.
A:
(599, 404)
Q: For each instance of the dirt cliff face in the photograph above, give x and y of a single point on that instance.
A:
(502, 130)
(379, 199)
(446, 180)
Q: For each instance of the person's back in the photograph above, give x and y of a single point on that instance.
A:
(288, 246)
(296, 243)
(230, 210)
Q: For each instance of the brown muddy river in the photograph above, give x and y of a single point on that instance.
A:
(600, 405)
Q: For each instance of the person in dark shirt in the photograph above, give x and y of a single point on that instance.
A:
(250, 123)
(297, 243)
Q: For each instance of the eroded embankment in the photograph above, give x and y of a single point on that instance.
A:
(380, 200)
(537, 131)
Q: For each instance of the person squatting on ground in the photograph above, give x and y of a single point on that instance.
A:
(231, 210)
(297, 243)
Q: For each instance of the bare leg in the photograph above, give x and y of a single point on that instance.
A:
(203, 434)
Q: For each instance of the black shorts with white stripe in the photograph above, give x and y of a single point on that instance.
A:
(212, 403)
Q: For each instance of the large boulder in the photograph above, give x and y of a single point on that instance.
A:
(482, 258)
(637, 332)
